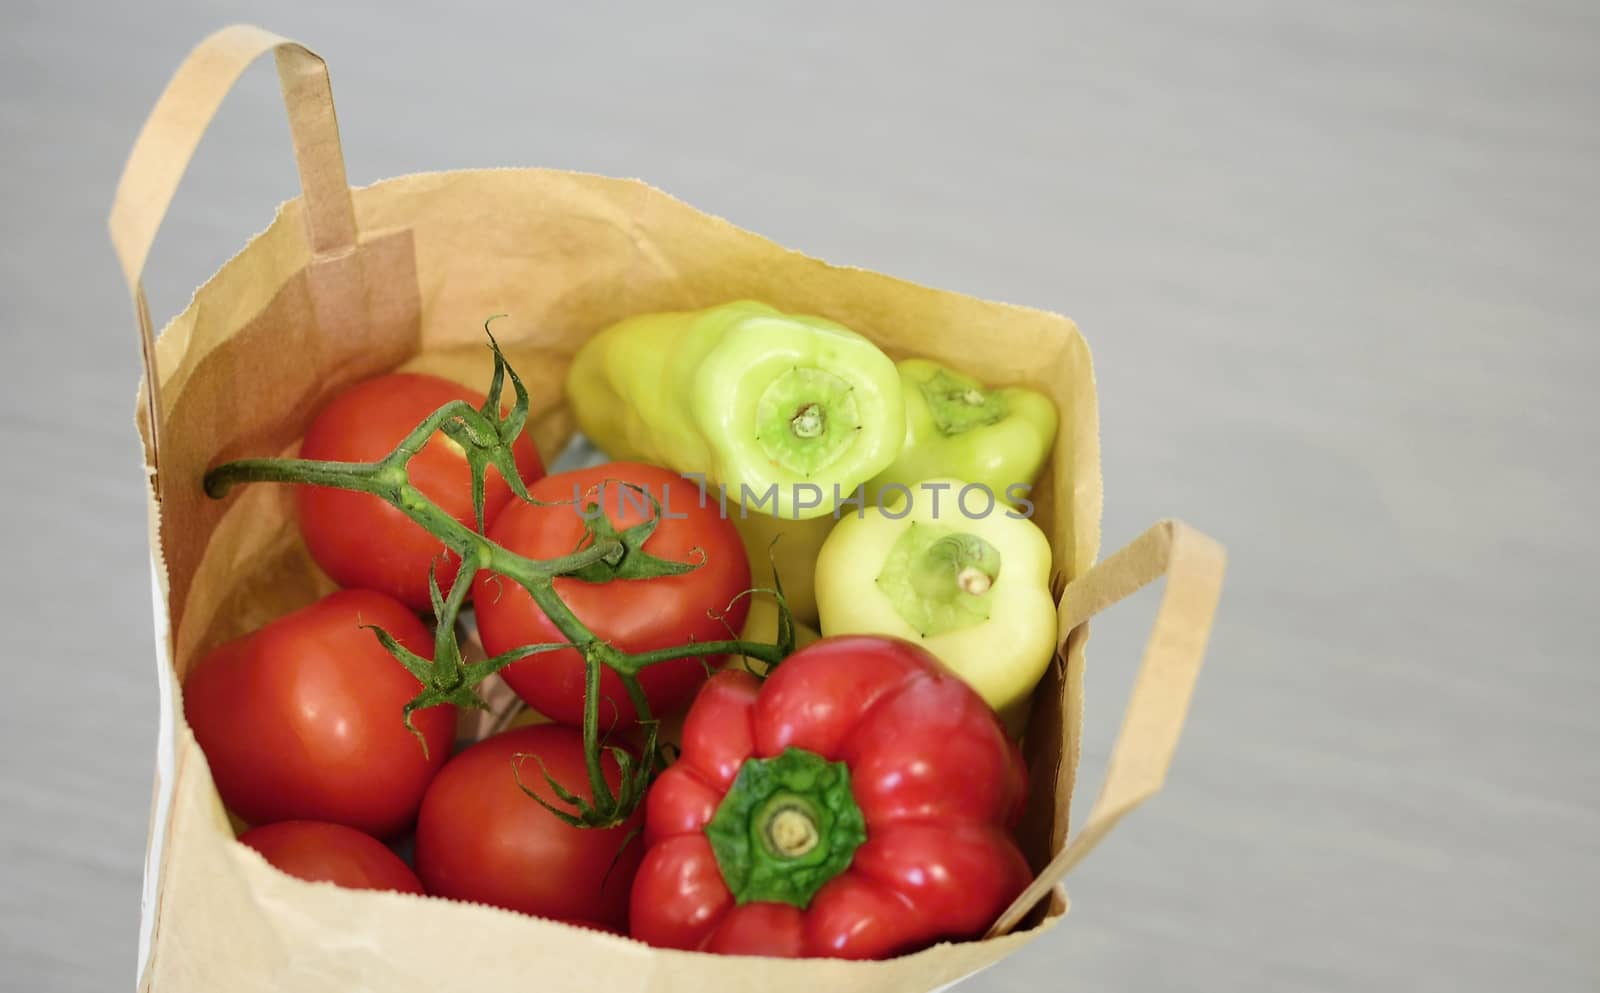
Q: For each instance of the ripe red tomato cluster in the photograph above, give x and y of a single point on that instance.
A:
(859, 803)
(301, 723)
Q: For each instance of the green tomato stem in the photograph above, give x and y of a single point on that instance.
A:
(591, 731)
(770, 654)
(379, 479)
(485, 438)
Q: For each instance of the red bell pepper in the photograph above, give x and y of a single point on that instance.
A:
(855, 805)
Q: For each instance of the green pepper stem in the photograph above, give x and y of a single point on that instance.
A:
(955, 566)
(938, 579)
(806, 418)
(808, 422)
(959, 403)
(786, 826)
(791, 829)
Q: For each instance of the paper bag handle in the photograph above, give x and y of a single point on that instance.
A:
(1193, 564)
(173, 131)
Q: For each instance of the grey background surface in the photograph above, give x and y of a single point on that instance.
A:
(1337, 265)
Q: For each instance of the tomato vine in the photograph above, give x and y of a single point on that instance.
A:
(485, 436)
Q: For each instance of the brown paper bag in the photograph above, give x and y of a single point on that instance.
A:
(347, 283)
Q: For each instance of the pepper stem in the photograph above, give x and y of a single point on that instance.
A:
(940, 580)
(974, 581)
(959, 403)
(787, 825)
(953, 566)
(806, 418)
(790, 831)
(808, 422)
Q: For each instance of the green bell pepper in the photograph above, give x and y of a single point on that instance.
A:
(777, 409)
(998, 438)
(973, 590)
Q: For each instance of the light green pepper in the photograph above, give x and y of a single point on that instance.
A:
(975, 591)
(997, 438)
(778, 409)
(955, 426)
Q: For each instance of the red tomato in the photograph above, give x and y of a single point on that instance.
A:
(480, 838)
(301, 720)
(635, 615)
(333, 853)
(363, 542)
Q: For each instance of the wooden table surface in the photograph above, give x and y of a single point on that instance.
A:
(1337, 265)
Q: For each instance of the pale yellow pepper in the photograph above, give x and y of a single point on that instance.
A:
(974, 591)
